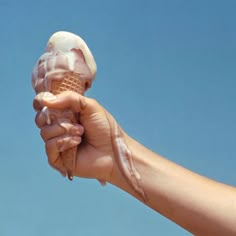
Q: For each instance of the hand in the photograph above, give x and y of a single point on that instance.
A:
(95, 157)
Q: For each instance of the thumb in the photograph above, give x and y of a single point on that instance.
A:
(38, 100)
(68, 100)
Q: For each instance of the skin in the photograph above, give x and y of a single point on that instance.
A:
(67, 64)
(200, 205)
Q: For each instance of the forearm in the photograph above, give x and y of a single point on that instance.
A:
(200, 205)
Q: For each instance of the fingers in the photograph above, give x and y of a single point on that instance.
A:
(70, 100)
(64, 132)
(37, 103)
(51, 131)
(50, 116)
(55, 146)
(40, 119)
(59, 137)
(54, 158)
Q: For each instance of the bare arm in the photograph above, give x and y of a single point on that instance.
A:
(198, 204)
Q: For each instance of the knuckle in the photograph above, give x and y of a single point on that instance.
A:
(50, 153)
(51, 162)
(37, 105)
(49, 148)
(93, 103)
(43, 134)
(65, 127)
(40, 119)
(36, 119)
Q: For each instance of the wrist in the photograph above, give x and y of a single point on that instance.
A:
(134, 163)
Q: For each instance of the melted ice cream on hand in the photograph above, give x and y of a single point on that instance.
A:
(66, 65)
(68, 55)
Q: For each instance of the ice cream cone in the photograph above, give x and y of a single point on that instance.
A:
(67, 65)
(70, 82)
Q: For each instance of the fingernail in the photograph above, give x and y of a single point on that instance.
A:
(76, 139)
(49, 97)
(78, 130)
(70, 177)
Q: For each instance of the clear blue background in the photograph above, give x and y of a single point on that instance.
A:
(166, 71)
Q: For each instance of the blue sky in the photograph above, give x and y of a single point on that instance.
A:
(166, 71)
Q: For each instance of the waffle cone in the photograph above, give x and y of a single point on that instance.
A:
(70, 82)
